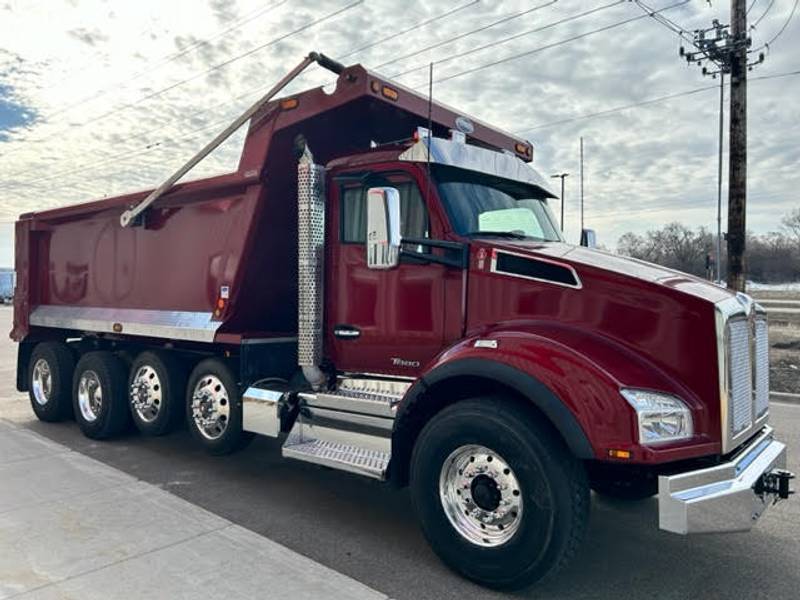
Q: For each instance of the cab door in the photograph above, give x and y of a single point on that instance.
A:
(382, 321)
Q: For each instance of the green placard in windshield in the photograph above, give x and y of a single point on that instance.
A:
(510, 219)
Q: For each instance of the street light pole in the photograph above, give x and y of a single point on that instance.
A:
(561, 176)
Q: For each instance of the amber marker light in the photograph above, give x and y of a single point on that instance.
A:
(390, 93)
(623, 454)
(289, 103)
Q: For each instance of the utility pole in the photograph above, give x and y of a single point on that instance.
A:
(581, 185)
(719, 174)
(562, 176)
(728, 52)
(737, 153)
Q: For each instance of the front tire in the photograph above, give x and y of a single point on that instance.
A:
(214, 408)
(50, 381)
(499, 496)
(100, 395)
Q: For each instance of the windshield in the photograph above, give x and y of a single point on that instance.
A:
(479, 204)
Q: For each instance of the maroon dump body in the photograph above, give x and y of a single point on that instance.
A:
(233, 231)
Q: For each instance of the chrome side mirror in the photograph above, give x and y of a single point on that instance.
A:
(383, 228)
(589, 238)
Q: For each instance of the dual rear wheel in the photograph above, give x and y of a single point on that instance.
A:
(105, 395)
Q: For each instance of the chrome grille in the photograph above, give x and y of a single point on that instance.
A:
(743, 348)
(741, 376)
(761, 366)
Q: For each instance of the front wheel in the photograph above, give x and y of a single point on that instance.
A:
(499, 496)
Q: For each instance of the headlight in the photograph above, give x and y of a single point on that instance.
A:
(662, 418)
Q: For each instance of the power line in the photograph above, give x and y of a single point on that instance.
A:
(602, 113)
(764, 14)
(466, 34)
(782, 29)
(152, 147)
(554, 44)
(158, 63)
(203, 73)
(261, 87)
(647, 102)
(514, 37)
(411, 28)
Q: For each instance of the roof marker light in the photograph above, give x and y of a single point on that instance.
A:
(390, 93)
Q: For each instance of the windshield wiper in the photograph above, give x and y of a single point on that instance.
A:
(514, 235)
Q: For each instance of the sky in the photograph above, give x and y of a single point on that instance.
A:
(100, 97)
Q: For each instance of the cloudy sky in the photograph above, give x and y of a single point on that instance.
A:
(102, 97)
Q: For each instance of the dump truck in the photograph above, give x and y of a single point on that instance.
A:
(383, 285)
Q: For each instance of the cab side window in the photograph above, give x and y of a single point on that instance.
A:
(414, 219)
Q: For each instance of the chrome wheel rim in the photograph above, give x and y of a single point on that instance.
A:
(146, 393)
(210, 407)
(481, 496)
(90, 396)
(42, 382)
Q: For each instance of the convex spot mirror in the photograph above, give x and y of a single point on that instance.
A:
(383, 227)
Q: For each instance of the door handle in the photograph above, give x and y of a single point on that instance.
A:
(346, 332)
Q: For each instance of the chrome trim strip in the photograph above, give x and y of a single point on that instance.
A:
(333, 415)
(379, 407)
(720, 498)
(493, 269)
(275, 340)
(170, 324)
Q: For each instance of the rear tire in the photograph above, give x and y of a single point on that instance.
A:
(100, 395)
(50, 381)
(156, 389)
(499, 496)
(214, 408)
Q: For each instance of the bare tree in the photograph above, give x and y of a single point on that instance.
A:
(791, 224)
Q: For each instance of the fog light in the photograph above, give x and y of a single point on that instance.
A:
(662, 417)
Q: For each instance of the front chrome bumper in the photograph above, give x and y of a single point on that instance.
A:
(723, 497)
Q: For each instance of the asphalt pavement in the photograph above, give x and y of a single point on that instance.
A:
(367, 531)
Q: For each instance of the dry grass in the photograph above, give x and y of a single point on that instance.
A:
(784, 338)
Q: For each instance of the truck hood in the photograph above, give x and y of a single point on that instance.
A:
(578, 257)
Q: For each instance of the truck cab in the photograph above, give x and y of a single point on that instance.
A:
(383, 285)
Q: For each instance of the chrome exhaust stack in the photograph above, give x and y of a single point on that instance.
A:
(310, 267)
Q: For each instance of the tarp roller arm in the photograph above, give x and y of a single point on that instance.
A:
(129, 216)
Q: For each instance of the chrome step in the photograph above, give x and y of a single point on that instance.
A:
(337, 455)
(335, 444)
(377, 397)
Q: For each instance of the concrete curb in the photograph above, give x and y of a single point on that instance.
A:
(784, 397)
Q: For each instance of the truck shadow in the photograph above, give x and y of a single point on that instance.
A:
(368, 531)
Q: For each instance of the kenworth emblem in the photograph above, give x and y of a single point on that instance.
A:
(401, 362)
